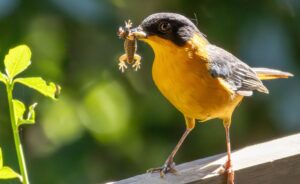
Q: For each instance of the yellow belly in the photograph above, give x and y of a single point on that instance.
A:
(187, 84)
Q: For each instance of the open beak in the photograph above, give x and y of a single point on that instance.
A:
(138, 33)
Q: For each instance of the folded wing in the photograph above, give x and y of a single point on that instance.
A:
(232, 72)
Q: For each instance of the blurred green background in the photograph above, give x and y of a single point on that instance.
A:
(108, 125)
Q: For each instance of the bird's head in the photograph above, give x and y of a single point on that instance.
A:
(166, 30)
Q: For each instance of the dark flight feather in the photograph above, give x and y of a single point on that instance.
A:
(239, 76)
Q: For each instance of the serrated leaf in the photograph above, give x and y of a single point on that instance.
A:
(19, 109)
(40, 85)
(17, 60)
(8, 173)
(3, 78)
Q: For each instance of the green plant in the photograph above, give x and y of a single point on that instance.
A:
(15, 62)
(6, 172)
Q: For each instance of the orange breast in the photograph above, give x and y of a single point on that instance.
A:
(181, 75)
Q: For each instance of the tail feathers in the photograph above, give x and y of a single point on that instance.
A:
(269, 74)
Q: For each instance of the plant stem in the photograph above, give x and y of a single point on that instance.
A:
(19, 149)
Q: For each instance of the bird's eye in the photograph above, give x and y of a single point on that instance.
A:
(164, 27)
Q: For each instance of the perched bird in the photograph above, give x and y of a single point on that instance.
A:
(201, 80)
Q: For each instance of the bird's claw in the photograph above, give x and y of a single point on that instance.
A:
(166, 168)
(227, 168)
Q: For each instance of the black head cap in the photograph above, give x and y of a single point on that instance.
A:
(171, 26)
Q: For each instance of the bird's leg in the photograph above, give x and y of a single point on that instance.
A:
(228, 164)
(169, 163)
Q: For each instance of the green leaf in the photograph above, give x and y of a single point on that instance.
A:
(3, 78)
(1, 159)
(40, 85)
(17, 60)
(31, 112)
(7, 172)
(30, 116)
(19, 109)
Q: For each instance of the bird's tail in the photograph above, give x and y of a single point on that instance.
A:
(269, 74)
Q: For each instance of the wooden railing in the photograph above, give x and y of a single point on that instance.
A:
(273, 162)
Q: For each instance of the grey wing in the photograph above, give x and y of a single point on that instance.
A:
(237, 75)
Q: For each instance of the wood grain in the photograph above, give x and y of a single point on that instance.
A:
(273, 162)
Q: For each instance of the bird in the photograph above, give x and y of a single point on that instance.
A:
(201, 80)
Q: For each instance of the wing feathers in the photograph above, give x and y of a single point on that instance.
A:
(239, 76)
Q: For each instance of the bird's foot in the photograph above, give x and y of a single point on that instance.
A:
(168, 167)
(230, 173)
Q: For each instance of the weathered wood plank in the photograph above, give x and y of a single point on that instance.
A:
(273, 162)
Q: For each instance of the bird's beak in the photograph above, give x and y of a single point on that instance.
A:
(139, 33)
